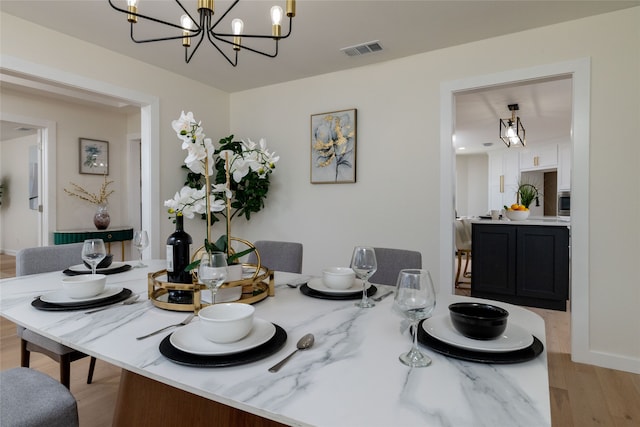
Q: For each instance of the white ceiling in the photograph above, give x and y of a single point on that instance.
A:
(544, 110)
(322, 27)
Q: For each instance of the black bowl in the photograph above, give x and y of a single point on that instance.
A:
(478, 321)
(106, 262)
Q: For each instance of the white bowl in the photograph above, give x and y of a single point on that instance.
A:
(338, 277)
(517, 215)
(225, 323)
(84, 285)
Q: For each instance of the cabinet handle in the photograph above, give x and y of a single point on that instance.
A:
(502, 183)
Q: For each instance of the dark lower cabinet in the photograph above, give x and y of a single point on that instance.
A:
(521, 264)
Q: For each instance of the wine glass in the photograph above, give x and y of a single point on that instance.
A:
(212, 271)
(93, 251)
(140, 241)
(363, 263)
(415, 299)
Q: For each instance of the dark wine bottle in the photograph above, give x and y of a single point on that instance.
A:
(178, 254)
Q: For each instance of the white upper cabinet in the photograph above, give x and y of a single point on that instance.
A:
(540, 157)
(564, 166)
(504, 171)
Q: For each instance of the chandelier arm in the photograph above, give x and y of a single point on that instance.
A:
(213, 43)
(251, 36)
(188, 57)
(160, 21)
(270, 55)
(222, 16)
(154, 40)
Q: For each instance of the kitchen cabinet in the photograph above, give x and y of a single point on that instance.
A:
(564, 167)
(504, 171)
(540, 157)
(521, 264)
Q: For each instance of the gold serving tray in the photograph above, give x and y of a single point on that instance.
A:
(255, 288)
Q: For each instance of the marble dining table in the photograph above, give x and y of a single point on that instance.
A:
(350, 377)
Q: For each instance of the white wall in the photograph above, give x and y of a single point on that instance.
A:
(18, 223)
(395, 200)
(472, 177)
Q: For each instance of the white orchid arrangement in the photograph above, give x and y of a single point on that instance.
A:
(235, 177)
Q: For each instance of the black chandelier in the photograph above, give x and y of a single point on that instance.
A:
(205, 24)
(511, 130)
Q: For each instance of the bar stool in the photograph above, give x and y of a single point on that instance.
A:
(463, 247)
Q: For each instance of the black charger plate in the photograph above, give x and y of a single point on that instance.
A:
(305, 289)
(252, 355)
(113, 299)
(121, 269)
(516, 356)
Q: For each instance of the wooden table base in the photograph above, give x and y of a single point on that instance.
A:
(145, 402)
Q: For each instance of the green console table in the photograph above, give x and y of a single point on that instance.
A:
(114, 234)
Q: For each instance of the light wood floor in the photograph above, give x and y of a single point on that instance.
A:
(581, 395)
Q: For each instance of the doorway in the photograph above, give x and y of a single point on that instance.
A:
(580, 73)
(149, 124)
(38, 147)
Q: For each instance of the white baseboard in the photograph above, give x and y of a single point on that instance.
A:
(608, 360)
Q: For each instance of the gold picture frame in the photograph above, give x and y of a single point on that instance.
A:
(333, 147)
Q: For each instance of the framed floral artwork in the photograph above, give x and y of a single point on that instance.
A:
(333, 147)
(94, 156)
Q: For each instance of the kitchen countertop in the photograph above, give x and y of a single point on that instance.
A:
(553, 221)
(350, 377)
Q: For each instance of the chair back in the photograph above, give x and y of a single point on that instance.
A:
(48, 258)
(391, 261)
(463, 235)
(278, 256)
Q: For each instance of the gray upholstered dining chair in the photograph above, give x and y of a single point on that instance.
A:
(41, 260)
(31, 398)
(391, 261)
(278, 256)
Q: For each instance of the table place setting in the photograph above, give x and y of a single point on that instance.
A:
(60, 300)
(316, 288)
(340, 283)
(225, 334)
(85, 288)
(478, 333)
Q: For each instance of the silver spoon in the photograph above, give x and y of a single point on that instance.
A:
(130, 300)
(304, 343)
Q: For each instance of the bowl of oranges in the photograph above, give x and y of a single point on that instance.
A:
(517, 212)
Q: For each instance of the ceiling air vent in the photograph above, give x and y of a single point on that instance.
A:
(362, 49)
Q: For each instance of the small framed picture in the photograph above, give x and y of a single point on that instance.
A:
(94, 156)
(333, 147)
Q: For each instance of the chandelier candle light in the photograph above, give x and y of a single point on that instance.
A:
(205, 24)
